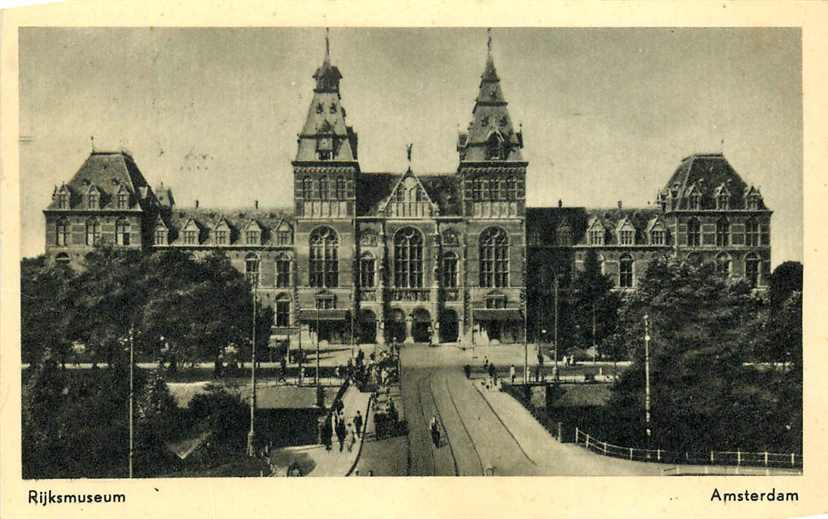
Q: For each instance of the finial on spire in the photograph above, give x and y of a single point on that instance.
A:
(327, 43)
(408, 148)
(92, 141)
(489, 40)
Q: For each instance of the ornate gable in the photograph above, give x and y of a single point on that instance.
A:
(409, 199)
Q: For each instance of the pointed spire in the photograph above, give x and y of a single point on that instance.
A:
(327, 45)
(489, 41)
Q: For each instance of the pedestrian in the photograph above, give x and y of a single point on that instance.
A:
(283, 369)
(486, 363)
(350, 438)
(327, 431)
(494, 375)
(393, 415)
(467, 371)
(435, 431)
(341, 433)
(512, 373)
(358, 423)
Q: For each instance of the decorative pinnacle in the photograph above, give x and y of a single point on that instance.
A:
(327, 44)
(408, 148)
(489, 40)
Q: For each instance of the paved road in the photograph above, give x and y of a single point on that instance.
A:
(473, 436)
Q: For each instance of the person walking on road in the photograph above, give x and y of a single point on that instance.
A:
(512, 373)
(435, 431)
(341, 432)
(358, 423)
(327, 431)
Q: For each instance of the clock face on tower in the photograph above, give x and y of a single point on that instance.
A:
(325, 143)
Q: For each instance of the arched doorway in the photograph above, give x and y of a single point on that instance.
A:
(449, 329)
(421, 325)
(367, 327)
(395, 326)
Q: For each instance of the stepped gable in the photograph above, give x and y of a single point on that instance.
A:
(376, 188)
(237, 219)
(705, 172)
(109, 171)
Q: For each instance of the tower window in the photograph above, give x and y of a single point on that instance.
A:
(323, 188)
(494, 258)
(324, 258)
(62, 228)
(251, 269)
(450, 270)
(367, 267)
(408, 258)
(283, 271)
(341, 192)
(625, 272)
(693, 233)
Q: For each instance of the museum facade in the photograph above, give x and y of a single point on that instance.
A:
(411, 256)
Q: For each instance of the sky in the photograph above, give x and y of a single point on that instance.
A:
(607, 114)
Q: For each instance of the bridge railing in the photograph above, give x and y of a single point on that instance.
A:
(736, 458)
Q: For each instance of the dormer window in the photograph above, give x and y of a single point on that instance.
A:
(63, 200)
(627, 237)
(253, 237)
(190, 237)
(283, 238)
(564, 236)
(753, 202)
(695, 201)
(657, 237)
(93, 200)
(723, 201)
(123, 200)
(596, 237)
(160, 236)
(221, 237)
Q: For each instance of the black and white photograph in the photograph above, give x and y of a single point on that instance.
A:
(269, 252)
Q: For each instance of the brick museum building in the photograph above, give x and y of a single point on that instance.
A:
(416, 256)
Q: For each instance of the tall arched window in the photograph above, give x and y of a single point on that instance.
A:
(752, 269)
(450, 270)
(251, 269)
(722, 233)
(494, 147)
(625, 271)
(324, 258)
(122, 232)
(695, 200)
(93, 232)
(324, 188)
(693, 233)
(283, 271)
(723, 264)
(62, 228)
(494, 258)
(751, 233)
(367, 270)
(408, 258)
(340, 189)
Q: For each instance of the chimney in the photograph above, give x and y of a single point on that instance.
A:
(196, 203)
(619, 204)
(256, 204)
(560, 203)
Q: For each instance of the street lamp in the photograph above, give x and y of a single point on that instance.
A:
(131, 399)
(251, 436)
(647, 378)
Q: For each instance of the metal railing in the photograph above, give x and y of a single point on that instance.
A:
(736, 458)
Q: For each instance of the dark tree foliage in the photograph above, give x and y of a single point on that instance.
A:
(785, 279)
(46, 310)
(595, 307)
(224, 416)
(703, 394)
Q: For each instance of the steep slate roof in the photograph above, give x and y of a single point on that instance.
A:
(108, 171)
(237, 219)
(545, 222)
(706, 172)
(375, 188)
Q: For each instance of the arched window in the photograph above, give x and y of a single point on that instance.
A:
(122, 232)
(494, 147)
(93, 199)
(93, 232)
(450, 270)
(282, 315)
(324, 258)
(693, 232)
(251, 269)
(324, 188)
(722, 233)
(367, 270)
(62, 228)
(494, 258)
(408, 258)
(283, 271)
(63, 200)
(340, 189)
(307, 188)
(723, 201)
(751, 233)
(625, 271)
(723, 264)
(752, 269)
(62, 259)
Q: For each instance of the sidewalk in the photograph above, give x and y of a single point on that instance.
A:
(314, 460)
(388, 456)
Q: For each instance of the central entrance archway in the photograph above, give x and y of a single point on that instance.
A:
(449, 329)
(367, 327)
(421, 325)
(395, 326)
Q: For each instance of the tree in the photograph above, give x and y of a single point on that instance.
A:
(43, 395)
(785, 279)
(595, 306)
(701, 392)
(45, 309)
(223, 415)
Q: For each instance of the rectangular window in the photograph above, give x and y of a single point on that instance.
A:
(657, 238)
(325, 303)
(221, 237)
(366, 272)
(93, 200)
(160, 237)
(282, 273)
(478, 190)
(450, 272)
(282, 313)
(596, 237)
(63, 201)
(253, 237)
(764, 234)
(627, 237)
(190, 238)
(123, 200)
(284, 238)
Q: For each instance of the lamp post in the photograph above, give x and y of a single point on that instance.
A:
(318, 387)
(131, 399)
(251, 436)
(647, 378)
(555, 281)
